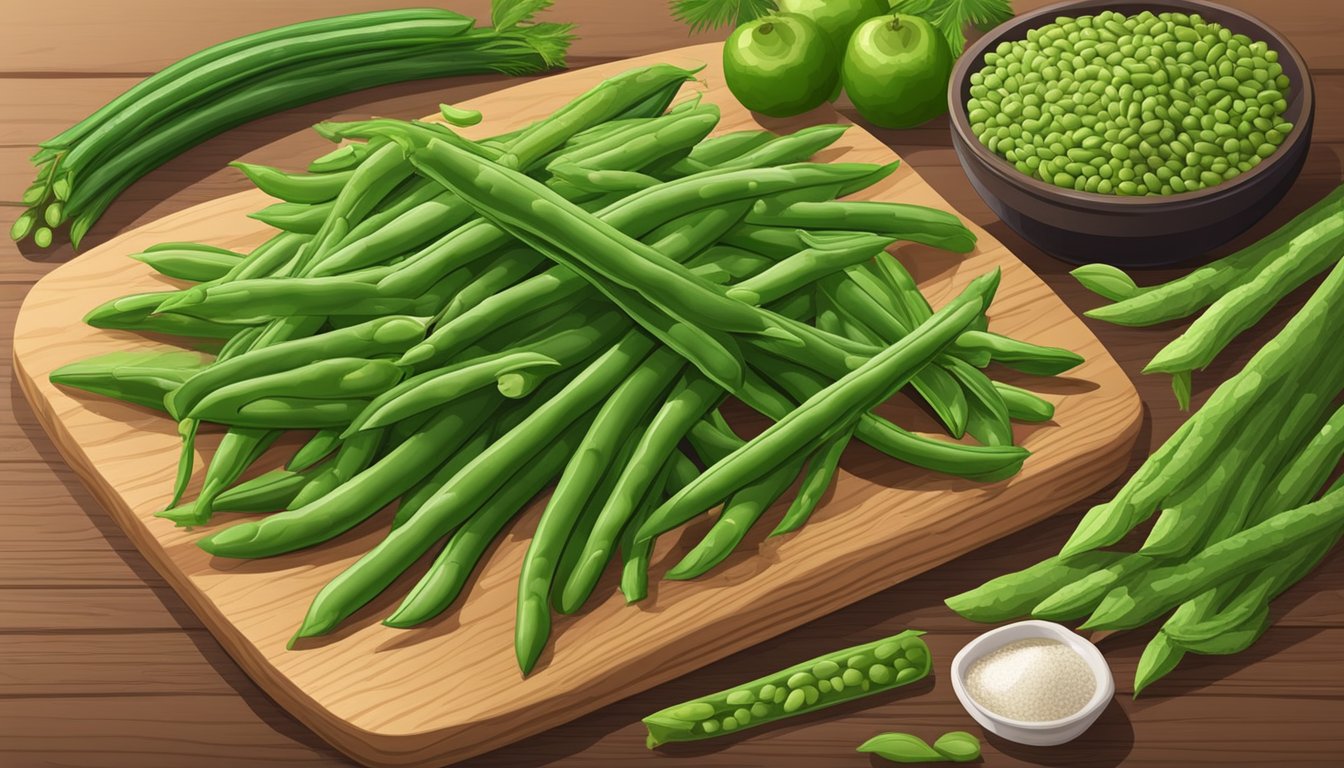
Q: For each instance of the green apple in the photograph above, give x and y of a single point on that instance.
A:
(896, 71)
(780, 65)
(837, 18)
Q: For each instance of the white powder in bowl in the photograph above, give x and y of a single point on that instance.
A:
(1032, 680)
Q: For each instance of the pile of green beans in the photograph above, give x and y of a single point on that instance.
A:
(1234, 292)
(82, 170)
(1149, 104)
(1246, 509)
(459, 324)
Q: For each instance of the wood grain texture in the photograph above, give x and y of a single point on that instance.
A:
(378, 693)
(1198, 715)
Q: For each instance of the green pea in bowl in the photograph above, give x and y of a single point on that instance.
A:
(1132, 133)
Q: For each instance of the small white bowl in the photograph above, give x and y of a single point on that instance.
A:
(1038, 734)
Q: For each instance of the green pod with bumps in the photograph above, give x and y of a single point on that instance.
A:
(825, 681)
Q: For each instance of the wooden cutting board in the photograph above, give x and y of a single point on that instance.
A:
(451, 689)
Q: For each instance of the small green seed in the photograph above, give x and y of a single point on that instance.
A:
(738, 698)
(42, 237)
(852, 677)
(743, 716)
(695, 710)
(795, 701)
(710, 726)
(730, 723)
(837, 683)
(879, 674)
(767, 692)
(824, 686)
(830, 668)
(811, 694)
(760, 709)
(906, 675)
(800, 679)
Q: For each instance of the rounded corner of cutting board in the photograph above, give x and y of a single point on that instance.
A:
(349, 701)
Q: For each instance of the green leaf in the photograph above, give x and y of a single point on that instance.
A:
(506, 14)
(701, 15)
(902, 748)
(951, 17)
(958, 746)
(1107, 281)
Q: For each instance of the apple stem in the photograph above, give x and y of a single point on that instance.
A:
(766, 28)
(896, 24)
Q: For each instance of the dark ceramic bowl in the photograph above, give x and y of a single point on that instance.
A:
(1084, 227)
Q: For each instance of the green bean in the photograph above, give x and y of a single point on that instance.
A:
(238, 449)
(189, 262)
(821, 469)
(720, 149)
(323, 394)
(138, 312)
(1024, 405)
(381, 336)
(823, 257)
(294, 187)
(1302, 258)
(1159, 657)
(1021, 356)
(987, 413)
(790, 148)
(601, 253)
(268, 258)
(608, 100)
(690, 399)
(254, 301)
(342, 158)
(867, 322)
(418, 494)
(294, 218)
(824, 414)
(1015, 594)
(635, 215)
(634, 583)
(1206, 284)
(622, 411)
(711, 443)
(1212, 614)
(1158, 590)
(739, 514)
(915, 223)
(977, 461)
(447, 385)
(1223, 413)
(411, 229)
(554, 285)
(469, 488)
(862, 670)
(139, 378)
(267, 492)
(353, 501)
(443, 582)
(318, 447)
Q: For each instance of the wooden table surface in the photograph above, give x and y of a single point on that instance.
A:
(102, 665)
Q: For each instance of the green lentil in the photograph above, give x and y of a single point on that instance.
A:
(1131, 105)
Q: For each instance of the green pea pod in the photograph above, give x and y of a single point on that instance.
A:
(802, 689)
(1021, 355)
(254, 301)
(1107, 282)
(295, 218)
(807, 266)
